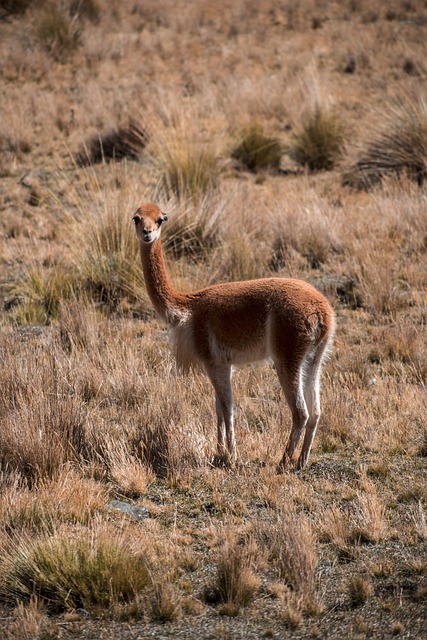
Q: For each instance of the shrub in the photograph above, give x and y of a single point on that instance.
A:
(257, 151)
(398, 146)
(319, 142)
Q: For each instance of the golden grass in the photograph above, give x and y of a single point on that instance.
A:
(92, 408)
(68, 570)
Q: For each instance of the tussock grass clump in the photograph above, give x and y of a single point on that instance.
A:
(81, 8)
(319, 142)
(42, 435)
(235, 584)
(128, 473)
(164, 603)
(398, 147)
(189, 166)
(370, 525)
(292, 549)
(381, 290)
(78, 326)
(42, 427)
(107, 258)
(163, 446)
(256, 150)
(15, 7)
(29, 622)
(67, 498)
(71, 570)
(238, 260)
(189, 170)
(56, 29)
(312, 232)
(40, 295)
(85, 9)
(291, 611)
(193, 229)
(419, 521)
(359, 588)
(115, 145)
(335, 529)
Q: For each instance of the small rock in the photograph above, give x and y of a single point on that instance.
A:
(134, 511)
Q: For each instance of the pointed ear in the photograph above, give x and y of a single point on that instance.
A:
(163, 218)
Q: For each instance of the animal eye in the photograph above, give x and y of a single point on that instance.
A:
(136, 219)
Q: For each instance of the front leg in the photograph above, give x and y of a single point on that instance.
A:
(221, 454)
(220, 376)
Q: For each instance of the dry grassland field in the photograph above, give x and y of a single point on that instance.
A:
(283, 139)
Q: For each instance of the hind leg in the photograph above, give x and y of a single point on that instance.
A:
(291, 381)
(312, 398)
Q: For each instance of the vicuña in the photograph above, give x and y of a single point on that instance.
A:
(282, 319)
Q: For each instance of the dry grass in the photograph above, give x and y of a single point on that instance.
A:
(359, 589)
(68, 571)
(318, 143)
(117, 144)
(28, 622)
(398, 147)
(235, 584)
(92, 407)
(256, 151)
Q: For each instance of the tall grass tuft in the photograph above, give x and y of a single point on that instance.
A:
(56, 29)
(193, 227)
(189, 170)
(42, 427)
(116, 144)
(189, 167)
(28, 622)
(235, 585)
(359, 589)
(41, 293)
(71, 569)
(398, 146)
(164, 602)
(256, 150)
(105, 247)
(14, 7)
(319, 142)
(292, 548)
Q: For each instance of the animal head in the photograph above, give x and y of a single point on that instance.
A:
(148, 220)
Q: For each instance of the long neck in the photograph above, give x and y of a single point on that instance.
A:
(167, 301)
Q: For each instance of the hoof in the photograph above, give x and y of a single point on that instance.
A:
(222, 461)
(301, 464)
(285, 465)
